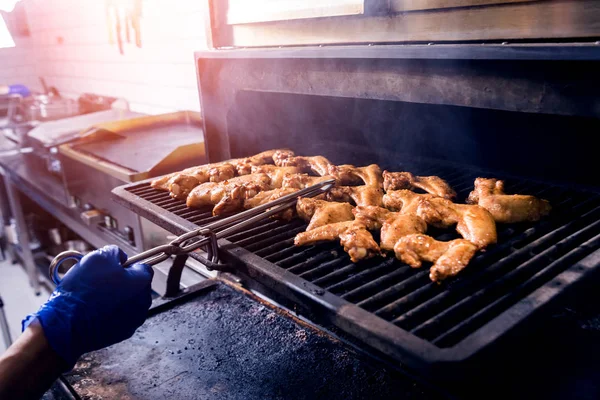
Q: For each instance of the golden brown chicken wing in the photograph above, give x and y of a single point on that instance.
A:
(301, 181)
(369, 175)
(280, 155)
(277, 174)
(474, 223)
(228, 196)
(405, 180)
(405, 201)
(360, 195)
(244, 165)
(199, 173)
(402, 233)
(321, 212)
(507, 208)
(393, 225)
(317, 164)
(221, 171)
(356, 239)
(269, 196)
(181, 185)
(449, 258)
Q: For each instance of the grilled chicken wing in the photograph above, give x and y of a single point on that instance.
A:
(353, 235)
(269, 196)
(221, 173)
(244, 165)
(360, 195)
(181, 185)
(280, 155)
(507, 208)
(218, 172)
(320, 212)
(405, 180)
(301, 181)
(393, 225)
(162, 183)
(228, 196)
(474, 223)
(449, 258)
(317, 164)
(199, 173)
(277, 174)
(405, 201)
(351, 175)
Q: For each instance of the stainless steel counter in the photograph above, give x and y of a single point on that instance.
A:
(46, 191)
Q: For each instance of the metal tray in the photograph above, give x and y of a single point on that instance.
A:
(139, 148)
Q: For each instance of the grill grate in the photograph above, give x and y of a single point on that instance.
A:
(527, 257)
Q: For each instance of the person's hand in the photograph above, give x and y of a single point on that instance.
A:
(98, 303)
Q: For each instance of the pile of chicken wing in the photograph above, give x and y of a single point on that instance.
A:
(364, 200)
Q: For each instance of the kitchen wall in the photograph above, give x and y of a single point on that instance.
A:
(70, 47)
(18, 64)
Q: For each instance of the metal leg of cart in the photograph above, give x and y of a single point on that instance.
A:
(4, 325)
(7, 250)
(22, 235)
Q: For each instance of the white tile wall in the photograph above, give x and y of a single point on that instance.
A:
(18, 64)
(69, 46)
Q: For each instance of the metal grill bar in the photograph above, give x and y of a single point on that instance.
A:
(412, 282)
(364, 273)
(500, 285)
(269, 237)
(248, 233)
(305, 259)
(498, 267)
(456, 333)
(429, 290)
(329, 271)
(371, 288)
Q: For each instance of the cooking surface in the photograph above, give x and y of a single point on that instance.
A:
(520, 273)
(139, 151)
(224, 345)
(49, 133)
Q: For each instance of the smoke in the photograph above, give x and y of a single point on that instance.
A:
(362, 111)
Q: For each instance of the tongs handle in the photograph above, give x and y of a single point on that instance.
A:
(158, 254)
(58, 260)
(53, 270)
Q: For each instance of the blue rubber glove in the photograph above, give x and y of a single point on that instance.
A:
(98, 303)
(19, 89)
(14, 89)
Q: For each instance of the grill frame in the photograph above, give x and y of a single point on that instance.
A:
(330, 309)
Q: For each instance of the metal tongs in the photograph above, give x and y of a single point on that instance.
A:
(205, 236)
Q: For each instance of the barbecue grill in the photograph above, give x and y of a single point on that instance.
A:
(517, 114)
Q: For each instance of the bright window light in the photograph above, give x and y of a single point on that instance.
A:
(8, 5)
(6, 39)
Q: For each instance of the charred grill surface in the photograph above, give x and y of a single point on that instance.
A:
(528, 257)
